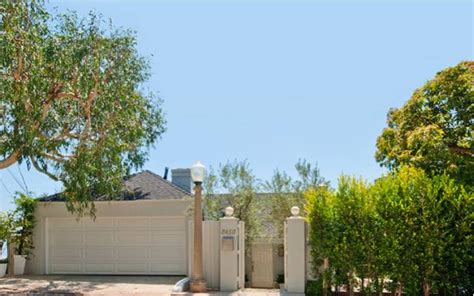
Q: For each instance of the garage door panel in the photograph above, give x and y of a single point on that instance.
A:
(66, 268)
(132, 222)
(99, 223)
(131, 245)
(66, 252)
(67, 238)
(66, 223)
(99, 253)
(167, 238)
(132, 253)
(99, 238)
(99, 267)
(132, 267)
(164, 253)
(133, 237)
(175, 224)
(171, 268)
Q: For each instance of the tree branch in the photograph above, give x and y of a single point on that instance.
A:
(461, 150)
(43, 170)
(10, 160)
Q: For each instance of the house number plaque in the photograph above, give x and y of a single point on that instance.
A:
(229, 231)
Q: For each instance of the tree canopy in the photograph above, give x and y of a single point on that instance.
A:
(72, 102)
(434, 129)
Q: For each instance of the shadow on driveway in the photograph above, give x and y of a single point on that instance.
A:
(69, 285)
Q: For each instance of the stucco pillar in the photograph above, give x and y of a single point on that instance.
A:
(295, 261)
(228, 246)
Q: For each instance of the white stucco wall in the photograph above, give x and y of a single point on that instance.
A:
(146, 208)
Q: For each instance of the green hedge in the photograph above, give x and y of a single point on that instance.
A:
(414, 231)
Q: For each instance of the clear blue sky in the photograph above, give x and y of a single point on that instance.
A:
(274, 81)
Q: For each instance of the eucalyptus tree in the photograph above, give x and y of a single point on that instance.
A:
(72, 101)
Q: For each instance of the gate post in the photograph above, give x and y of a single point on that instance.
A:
(295, 252)
(229, 232)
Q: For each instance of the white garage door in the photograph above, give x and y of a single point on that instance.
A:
(119, 245)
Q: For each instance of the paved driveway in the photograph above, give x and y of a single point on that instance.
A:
(94, 285)
(88, 285)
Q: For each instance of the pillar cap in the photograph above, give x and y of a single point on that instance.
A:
(295, 211)
(229, 212)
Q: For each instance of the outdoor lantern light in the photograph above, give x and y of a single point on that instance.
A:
(198, 170)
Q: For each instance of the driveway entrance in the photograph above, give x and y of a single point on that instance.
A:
(89, 285)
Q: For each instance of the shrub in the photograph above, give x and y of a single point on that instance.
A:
(24, 221)
(314, 287)
(415, 230)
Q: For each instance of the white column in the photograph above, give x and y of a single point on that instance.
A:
(228, 245)
(295, 263)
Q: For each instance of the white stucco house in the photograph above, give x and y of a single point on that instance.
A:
(144, 231)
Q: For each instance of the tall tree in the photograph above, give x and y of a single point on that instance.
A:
(434, 129)
(72, 104)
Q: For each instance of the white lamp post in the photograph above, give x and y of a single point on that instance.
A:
(198, 283)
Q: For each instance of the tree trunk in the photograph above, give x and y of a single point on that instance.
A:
(11, 259)
(10, 160)
(325, 281)
(362, 288)
(351, 285)
(399, 289)
(380, 286)
(426, 289)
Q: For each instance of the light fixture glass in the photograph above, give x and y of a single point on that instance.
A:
(295, 211)
(198, 170)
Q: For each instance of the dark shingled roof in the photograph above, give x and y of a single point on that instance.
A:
(143, 185)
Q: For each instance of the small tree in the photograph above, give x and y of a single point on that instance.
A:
(25, 221)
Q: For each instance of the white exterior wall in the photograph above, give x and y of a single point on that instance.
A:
(138, 208)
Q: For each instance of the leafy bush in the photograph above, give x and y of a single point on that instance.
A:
(24, 222)
(18, 225)
(314, 288)
(408, 227)
(280, 279)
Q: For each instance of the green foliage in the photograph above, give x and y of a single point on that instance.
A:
(263, 205)
(71, 100)
(280, 279)
(7, 226)
(24, 221)
(283, 192)
(314, 288)
(416, 230)
(17, 225)
(434, 129)
(233, 185)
